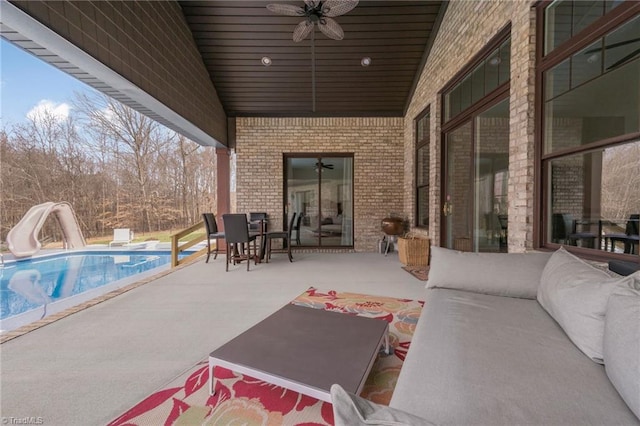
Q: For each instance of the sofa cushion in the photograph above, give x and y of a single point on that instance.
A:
(622, 340)
(351, 410)
(575, 294)
(478, 359)
(500, 274)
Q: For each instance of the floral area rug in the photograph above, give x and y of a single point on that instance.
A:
(420, 272)
(243, 400)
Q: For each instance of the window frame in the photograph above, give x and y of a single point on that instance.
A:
(610, 21)
(424, 142)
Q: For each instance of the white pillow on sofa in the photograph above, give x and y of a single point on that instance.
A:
(575, 294)
(352, 410)
(499, 274)
(622, 340)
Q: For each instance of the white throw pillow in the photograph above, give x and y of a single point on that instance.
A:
(622, 340)
(351, 410)
(575, 294)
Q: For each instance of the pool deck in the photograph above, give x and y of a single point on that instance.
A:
(91, 366)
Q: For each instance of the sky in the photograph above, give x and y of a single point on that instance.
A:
(28, 83)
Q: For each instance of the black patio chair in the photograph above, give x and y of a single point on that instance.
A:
(212, 233)
(236, 230)
(630, 238)
(285, 236)
(256, 219)
(563, 231)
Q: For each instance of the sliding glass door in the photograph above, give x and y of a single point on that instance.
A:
(320, 187)
(475, 185)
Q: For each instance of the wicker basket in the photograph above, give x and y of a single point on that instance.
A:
(462, 244)
(413, 251)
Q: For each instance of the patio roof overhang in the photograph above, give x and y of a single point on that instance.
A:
(192, 64)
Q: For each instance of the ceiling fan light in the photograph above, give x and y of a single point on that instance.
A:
(266, 61)
(366, 61)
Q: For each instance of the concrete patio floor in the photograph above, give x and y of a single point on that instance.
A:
(90, 367)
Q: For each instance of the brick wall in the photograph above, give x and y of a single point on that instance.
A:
(377, 148)
(149, 44)
(466, 28)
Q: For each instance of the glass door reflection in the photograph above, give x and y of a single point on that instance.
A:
(321, 189)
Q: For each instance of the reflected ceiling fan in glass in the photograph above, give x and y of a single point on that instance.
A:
(320, 13)
(322, 165)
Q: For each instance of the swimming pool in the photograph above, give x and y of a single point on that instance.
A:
(34, 288)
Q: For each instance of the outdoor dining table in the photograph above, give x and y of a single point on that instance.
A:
(262, 230)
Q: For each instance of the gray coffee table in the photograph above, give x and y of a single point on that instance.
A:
(306, 350)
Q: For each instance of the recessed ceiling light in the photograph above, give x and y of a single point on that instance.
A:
(266, 61)
(495, 61)
(366, 61)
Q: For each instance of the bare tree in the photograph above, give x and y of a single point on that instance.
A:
(116, 167)
(137, 139)
(621, 181)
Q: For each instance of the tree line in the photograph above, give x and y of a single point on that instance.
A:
(115, 166)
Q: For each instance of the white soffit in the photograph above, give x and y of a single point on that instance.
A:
(34, 37)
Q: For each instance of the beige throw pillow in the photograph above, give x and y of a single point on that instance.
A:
(575, 294)
(351, 410)
(499, 274)
(622, 340)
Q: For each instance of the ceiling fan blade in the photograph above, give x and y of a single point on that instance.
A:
(312, 3)
(612, 45)
(625, 59)
(333, 8)
(302, 30)
(331, 28)
(286, 9)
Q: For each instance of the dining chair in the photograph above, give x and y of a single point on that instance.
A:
(236, 230)
(564, 231)
(285, 236)
(212, 234)
(629, 238)
(257, 219)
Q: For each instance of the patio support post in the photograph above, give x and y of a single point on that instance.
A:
(223, 183)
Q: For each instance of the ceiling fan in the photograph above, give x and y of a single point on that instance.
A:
(316, 12)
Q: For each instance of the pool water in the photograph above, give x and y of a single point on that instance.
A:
(34, 288)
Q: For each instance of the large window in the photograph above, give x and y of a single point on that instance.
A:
(422, 169)
(590, 132)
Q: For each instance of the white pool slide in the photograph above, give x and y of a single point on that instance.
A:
(22, 239)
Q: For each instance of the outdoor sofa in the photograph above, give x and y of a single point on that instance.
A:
(516, 339)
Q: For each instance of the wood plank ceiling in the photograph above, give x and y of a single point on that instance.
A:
(233, 37)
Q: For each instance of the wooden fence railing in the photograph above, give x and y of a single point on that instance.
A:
(177, 248)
